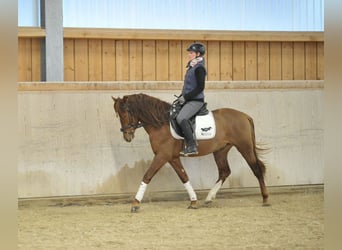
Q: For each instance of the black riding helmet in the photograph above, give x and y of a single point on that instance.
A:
(197, 47)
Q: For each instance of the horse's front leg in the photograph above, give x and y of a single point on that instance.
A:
(157, 163)
(178, 167)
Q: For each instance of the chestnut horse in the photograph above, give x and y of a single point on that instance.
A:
(233, 128)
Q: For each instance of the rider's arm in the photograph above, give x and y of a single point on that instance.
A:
(200, 77)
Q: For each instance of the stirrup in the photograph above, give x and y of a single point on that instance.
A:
(186, 151)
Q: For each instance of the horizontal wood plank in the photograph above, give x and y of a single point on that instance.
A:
(31, 32)
(208, 35)
(164, 85)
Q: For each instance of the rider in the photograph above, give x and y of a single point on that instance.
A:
(192, 97)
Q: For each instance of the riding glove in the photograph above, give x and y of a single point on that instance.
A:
(181, 100)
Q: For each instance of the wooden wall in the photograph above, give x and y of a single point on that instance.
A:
(148, 55)
(29, 59)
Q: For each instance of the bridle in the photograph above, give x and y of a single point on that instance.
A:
(131, 124)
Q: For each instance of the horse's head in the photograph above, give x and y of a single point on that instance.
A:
(129, 121)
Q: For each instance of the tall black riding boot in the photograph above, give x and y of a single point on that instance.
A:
(191, 146)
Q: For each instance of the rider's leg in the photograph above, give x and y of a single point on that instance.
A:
(188, 110)
(191, 146)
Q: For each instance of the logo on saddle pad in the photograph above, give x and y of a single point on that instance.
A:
(205, 127)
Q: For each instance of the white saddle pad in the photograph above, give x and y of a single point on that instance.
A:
(205, 127)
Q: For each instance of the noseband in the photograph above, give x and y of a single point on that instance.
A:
(130, 124)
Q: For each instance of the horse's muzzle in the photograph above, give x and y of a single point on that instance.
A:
(128, 136)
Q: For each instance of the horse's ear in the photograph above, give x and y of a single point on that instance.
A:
(115, 99)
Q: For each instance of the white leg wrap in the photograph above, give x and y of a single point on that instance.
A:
(191, 191)
(140, 194)
(213, 191)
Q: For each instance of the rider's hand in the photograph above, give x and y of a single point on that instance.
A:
(181, 100)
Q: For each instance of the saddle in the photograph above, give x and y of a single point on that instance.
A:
(203, 123)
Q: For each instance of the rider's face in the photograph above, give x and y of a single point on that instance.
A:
(192, 55)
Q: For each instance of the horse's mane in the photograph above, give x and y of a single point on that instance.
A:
(149, 109)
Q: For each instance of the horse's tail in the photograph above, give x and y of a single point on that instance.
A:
(257, 149)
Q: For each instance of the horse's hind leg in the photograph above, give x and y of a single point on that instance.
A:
(223, 170)
(258, 168)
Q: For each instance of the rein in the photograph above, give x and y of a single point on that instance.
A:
(131, 125)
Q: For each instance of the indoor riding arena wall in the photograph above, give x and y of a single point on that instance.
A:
(70, 141)
(94, 54)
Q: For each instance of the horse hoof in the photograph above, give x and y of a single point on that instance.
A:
(208, 202)
(135, 209)
(192, 207)
(266, 204)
